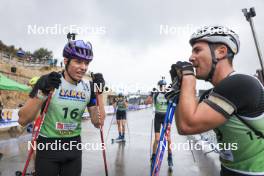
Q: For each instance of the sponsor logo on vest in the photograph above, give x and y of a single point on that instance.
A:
(72, 94)
(66, 126)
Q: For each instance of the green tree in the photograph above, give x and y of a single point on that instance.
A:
(11, 50)
(43, 53)
(28, 53)
(2, 46)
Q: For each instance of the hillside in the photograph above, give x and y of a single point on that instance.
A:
(11, 99)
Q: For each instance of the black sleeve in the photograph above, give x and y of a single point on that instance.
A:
(93, 96)
(243, 93)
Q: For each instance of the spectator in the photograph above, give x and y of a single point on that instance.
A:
(55, 62)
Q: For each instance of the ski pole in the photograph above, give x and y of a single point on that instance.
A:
(157, 149)
(102, 137)
(101, 132)
(161, 139)
(38, 128)
(128, 131)
(110, 125)
(152, 124)
(192, 152)
(166, 135)
(160, 159)
(151, 130)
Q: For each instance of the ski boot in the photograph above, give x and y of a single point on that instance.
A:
(119, 139)
(123, 138)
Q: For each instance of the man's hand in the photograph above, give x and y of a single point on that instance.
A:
(172, 91)
(46, 83)
(99, 82)
(181, 69)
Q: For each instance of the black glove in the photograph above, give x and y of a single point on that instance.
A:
(180, 69)
(154, 90)
(172, 92)
(99, 82)
(46, 83)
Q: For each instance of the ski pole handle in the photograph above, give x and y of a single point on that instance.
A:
(101, 129)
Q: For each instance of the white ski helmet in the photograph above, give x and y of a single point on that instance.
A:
(217, 34)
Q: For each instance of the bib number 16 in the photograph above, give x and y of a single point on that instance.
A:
(73, 114)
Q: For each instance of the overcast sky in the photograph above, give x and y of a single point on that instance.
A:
(134, 42)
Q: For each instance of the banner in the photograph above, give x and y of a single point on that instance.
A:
(9, 118)
(108, 110)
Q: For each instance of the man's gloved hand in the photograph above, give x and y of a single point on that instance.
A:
(46, 83)
(99, 82)
(154, 90)
(172, 92)
(180, 69)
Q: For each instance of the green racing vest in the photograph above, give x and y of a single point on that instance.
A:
(160, 102)
(64, 114)
(243, 151)
(121, 106)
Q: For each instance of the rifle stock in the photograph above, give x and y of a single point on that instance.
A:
(249, 14)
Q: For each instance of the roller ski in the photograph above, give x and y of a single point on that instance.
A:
(19, 173)
(118, 140)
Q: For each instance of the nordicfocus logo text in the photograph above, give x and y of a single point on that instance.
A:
(72, 145)
(191, 145)
(59, 29)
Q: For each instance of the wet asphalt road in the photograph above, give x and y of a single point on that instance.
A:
(124, 159)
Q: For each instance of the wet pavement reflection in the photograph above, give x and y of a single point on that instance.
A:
(131, 158)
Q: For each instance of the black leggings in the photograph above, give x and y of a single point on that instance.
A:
(120, 115)
(158, 121)
(58, 162)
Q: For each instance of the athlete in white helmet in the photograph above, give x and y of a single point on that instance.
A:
(233, 107)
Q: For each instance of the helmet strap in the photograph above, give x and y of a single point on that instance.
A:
(214, 62)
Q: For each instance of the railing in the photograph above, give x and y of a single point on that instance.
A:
(26, 62)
